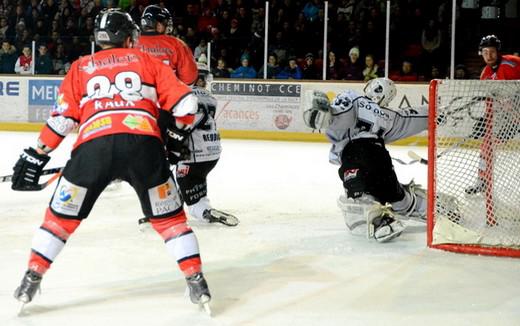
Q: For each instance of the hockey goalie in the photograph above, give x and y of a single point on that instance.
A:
(359, 126)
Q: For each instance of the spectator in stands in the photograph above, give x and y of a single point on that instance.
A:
(273, 68)
(8, 57)
(201, 48)
(353, 68)
(59, 59)
(461, 72)
(244, 71)
(44, 61)
(311, 10)
(279, 47)
(371, 70)
(40, 28)
(430, 42)
(5, 30)
(25, 62)
(334, 68)
(434, 73)
(310, 71)
(221, 71)
(291, 71)
(406, 73)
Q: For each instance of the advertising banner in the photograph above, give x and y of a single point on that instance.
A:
(258, 106)
(42, 95)
(13, 94)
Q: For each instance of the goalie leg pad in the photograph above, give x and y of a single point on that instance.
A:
(380, 221)
(356, 211)
(384, 226)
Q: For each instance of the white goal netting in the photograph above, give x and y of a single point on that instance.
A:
(475, 173)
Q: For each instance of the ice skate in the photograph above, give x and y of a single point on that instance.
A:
(383, 225)
(199, 291)
(27, 289)
(216, 216)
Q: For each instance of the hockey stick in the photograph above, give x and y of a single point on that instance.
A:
(413, 155)
(405, 163)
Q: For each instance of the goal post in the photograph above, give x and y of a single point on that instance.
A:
(474, 167)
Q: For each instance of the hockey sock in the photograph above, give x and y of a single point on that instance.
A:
(180, 242)
(48, 241)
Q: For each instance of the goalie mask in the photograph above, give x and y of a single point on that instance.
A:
(380, 90)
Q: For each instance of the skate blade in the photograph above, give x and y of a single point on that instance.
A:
(21, 311)
(204, 304)
(223, 218)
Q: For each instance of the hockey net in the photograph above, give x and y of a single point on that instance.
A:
(474, 167)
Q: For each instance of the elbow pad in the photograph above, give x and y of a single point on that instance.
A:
(61, 125)
(188, 105)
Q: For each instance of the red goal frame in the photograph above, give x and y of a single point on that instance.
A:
(459, 248)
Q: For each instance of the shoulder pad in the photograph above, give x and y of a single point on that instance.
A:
(343, 101)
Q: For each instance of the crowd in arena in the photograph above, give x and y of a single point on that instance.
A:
(419, 35)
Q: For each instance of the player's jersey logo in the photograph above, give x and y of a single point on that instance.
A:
(350, 174)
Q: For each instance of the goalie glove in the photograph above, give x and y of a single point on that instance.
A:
(317, 116)
(28, 170)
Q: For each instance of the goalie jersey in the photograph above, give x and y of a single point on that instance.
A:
(204, 140)
(354, 116)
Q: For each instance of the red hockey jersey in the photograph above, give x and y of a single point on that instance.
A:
(117, 90)
(508, 69)
(173, 52)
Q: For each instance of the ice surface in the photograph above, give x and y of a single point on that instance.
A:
(289, 262)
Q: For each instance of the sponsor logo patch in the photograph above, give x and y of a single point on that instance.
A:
(350, 174)
(137, 122)
(182, 170)
(60, 105)
(68, 198)
(164, 198)
(97, 126)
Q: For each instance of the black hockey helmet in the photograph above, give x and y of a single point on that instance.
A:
(113, 26)
(489, 41)
(154, 14)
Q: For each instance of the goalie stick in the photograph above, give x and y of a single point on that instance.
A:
(55, 171)
(413, 155)
(398, 160)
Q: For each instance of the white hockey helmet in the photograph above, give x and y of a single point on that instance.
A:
(380, 90)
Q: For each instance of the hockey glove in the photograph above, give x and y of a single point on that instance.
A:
(28, 169)
(177, 145)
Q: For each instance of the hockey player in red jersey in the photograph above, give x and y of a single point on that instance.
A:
(498, 67)
(156, 24)
(114, 97)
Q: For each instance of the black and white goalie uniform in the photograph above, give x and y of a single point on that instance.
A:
(359, 126)
(195, 154)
